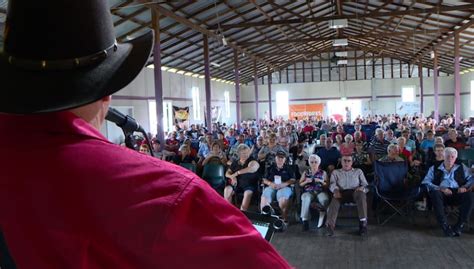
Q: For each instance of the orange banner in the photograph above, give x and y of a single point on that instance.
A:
(304, 111)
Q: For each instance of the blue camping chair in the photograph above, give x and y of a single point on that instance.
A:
(391, 190)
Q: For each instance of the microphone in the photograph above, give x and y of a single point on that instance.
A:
(127, 123)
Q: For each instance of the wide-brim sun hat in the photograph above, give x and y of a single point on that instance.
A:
(60, 55)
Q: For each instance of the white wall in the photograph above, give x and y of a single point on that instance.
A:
(466, 99)
(177, 89)
(386, 91)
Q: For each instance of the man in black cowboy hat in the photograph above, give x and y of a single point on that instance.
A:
(75, 200)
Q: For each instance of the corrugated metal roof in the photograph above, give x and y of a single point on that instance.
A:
(280, 33)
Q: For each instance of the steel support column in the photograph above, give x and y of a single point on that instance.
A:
(207, 82)
(457, 82)
(420, 75)
(255, 82)
(158, 77)
(270, 93)
(436, 87)
(237, 86)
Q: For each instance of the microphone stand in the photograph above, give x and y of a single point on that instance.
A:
(129, 140)
(128, 125)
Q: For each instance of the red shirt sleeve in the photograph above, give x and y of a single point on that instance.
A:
(205, 231)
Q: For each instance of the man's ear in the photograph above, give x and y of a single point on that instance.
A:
(107, 98)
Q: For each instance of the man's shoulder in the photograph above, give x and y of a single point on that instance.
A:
(115, 160)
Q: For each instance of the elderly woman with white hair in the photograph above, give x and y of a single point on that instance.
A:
(313, 181)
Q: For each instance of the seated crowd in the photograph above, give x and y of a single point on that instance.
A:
(323, 163)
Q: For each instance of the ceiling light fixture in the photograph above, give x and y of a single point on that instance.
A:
(341, 53)
(340, 42)
(341, 62)
(337, 24)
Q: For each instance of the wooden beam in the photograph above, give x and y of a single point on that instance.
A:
(198, 28)
(434, 44)
(350, 17)
(350, 37)
(340, 32)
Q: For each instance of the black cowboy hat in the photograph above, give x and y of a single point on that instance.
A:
(61, 54)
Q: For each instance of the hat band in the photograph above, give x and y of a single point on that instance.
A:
(64, 64)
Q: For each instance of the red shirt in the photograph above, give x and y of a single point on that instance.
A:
(71, 199)
(308, 129)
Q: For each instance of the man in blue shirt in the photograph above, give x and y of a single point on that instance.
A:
(428, 142)
(329, 156)
(450, 183)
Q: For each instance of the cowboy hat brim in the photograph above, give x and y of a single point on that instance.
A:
(26, 92)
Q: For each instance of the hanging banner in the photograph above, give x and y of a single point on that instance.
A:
(408, 108)
(306, 111)
(181, 113)
(181, 116)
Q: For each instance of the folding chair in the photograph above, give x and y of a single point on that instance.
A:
(466, 156)
(214, 175)
(390, 188)
(191, 167)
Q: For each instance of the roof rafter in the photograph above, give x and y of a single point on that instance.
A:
(355, 16)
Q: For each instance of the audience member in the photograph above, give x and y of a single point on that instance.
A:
(243, 177)
(450, 183)
(314, 181)
(278, 180)
(329, 156)
(347, 185)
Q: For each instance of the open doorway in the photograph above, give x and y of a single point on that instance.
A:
(336, 109)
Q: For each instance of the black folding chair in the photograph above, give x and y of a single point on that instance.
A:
(214, 174)
(391, 190)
